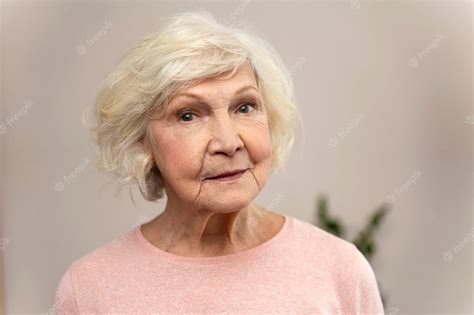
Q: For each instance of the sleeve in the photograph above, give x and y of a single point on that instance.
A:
(65, 299)
(366, 298)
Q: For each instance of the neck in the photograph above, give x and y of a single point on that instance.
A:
(206, 233)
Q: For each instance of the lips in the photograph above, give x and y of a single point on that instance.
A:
(226, 174)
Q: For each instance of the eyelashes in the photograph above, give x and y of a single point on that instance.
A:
(251, 104)
(183, 113)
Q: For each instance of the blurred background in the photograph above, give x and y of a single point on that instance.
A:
(385, 91)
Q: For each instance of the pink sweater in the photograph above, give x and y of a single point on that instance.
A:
(301, 270)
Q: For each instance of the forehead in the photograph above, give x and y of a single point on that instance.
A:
(229, 84)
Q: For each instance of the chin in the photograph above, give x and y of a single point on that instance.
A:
(225, 205)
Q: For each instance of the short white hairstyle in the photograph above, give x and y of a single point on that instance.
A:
(188, 48)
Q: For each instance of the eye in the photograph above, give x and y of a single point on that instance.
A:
(186, 115)
(247, 106)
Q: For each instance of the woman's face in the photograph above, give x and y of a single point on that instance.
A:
(216, 126)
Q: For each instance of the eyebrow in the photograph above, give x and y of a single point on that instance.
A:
(199, 97)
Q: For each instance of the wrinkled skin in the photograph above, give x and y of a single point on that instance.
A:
(219, 131)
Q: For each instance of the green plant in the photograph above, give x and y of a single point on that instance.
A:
(364, 240)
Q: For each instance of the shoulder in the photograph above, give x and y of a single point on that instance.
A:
(108, 258)
(112, 254)
(344, 265)
(92, 270)
(320, 241)
(337, 256)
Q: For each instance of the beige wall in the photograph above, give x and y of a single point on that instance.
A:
(2, 174)
(377, 122)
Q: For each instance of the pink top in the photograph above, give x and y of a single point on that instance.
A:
(302, 269)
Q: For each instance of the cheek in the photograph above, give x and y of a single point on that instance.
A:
(258, 143)
(177, 153)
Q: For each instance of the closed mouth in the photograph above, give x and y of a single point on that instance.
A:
(227, 174)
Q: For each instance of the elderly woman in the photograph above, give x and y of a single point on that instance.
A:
(205, 113)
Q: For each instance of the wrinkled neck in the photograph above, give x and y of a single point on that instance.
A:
(207, 233)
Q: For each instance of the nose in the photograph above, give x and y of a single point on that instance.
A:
(224, 137)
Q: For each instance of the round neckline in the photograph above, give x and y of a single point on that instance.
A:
(257, 250)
